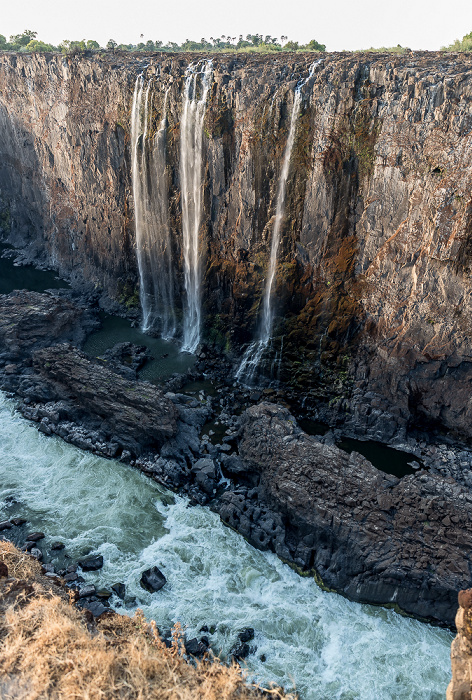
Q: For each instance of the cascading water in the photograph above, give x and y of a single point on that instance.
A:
(325, 645)
(191, 146)
(153, 243)
(254, 352)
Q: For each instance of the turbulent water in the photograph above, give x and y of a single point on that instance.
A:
(326, 646)
(253, 354)
(153, 243)
(197, 83)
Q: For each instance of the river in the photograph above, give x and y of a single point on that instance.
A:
(324, 645)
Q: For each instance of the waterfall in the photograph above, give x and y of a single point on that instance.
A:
(191, 146)
(153, 242)
(254, 352)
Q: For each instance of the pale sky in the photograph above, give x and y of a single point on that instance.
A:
(340, 24)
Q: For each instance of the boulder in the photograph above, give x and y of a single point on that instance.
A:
(91, 563)
(153, 579)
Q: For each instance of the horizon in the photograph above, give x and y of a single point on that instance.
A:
(367, 24)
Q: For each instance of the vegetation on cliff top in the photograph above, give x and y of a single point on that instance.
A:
(48, 648)
(28, 42)
(465, 44)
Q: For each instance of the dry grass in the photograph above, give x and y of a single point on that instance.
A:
(47, 651)
(20, 565)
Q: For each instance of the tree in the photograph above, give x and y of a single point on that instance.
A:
(91, 44)
(24, 39)
(36, 45)
(3, 42)
(111, 44)
(313, 45)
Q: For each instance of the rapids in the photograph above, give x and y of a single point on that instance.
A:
(322, 644)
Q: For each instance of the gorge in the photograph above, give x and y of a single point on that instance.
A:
(303, 226)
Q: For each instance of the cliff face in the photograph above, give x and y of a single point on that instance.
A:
(373, 299)
(460, 687)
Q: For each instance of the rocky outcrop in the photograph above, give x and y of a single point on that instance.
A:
(131, 411)
(29, 320)
(460, 687)
(372, 287)
(380, 539)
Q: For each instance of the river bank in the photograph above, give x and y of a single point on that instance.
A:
(370, 535)
(319, 642)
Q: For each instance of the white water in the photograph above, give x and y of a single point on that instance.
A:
(254, 352)
(330, 648)
(153, 243)
(197, 83)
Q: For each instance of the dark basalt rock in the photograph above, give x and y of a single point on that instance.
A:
(376, 538)
(35, 536)
(153, 579)
(91, 563)
(5, 525)
(126, 359)
(95, 607)
(135, 411)
(246, 635)
(195, 648)
(57, 546)
(119, 589)
(30, 320)
(240, 650)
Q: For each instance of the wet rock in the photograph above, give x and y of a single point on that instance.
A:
(5, 525)
(57, 546)
(374, 537)
(35, 536)
(246, 635)
(205, 475)
(240, 650)
(195, 648)
(28, 546)
(95, 607)
(87, 591)
(36, 553)
(70, 578)
(103, 594)
(153, 579)
(91, 563)
(18, 521)
(126, 359)
(119, 589)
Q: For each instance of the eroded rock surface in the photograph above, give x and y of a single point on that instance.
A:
(460, 687)
(126, 408)
(375, 537)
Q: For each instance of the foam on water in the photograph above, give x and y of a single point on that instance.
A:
(326, 646)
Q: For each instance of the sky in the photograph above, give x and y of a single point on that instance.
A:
(340, 24)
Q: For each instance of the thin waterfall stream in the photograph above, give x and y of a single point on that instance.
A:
(153, 243)
(324, 645)
(197, 84)
(254, 352)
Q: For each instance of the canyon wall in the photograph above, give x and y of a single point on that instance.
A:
(372, 291)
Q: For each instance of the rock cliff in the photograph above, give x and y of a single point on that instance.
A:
(460, 687)
(373, 298)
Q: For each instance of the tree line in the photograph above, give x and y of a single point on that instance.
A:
(28, 42)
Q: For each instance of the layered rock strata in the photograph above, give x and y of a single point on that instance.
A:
(370, 535)
(404, 542)
(373, 299)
